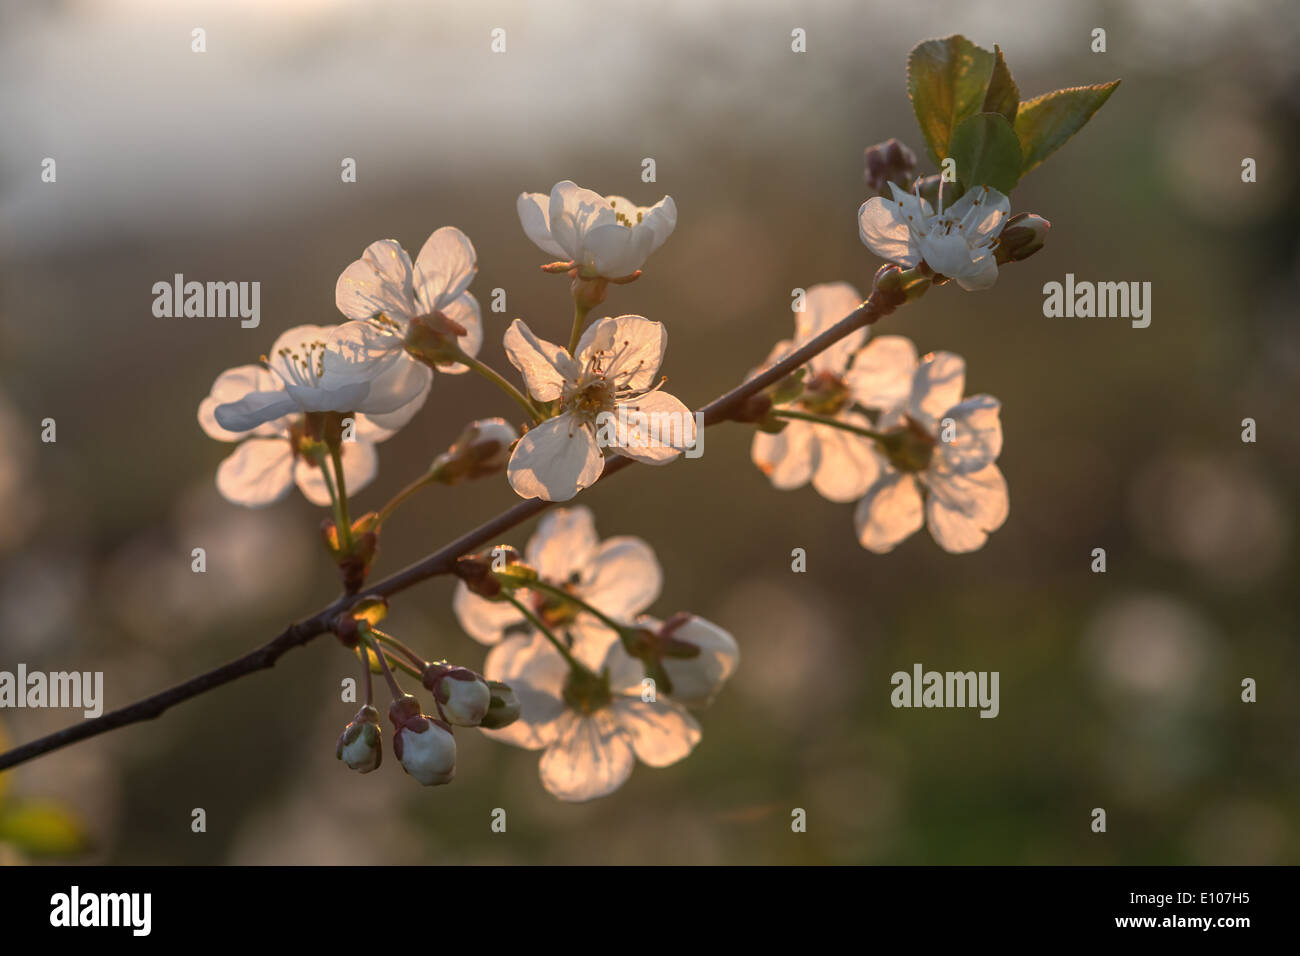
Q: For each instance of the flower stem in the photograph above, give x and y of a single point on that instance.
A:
(370, 683)
(536, 622)
(341, 518)
(373, 645)
(401, 665)
(393, 642)
(579, 317)
(605, 619)
(426, 479)
(495, 377)
(832, 422)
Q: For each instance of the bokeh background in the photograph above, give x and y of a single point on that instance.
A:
(1118, 690)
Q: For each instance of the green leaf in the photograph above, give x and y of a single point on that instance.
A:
(43, 829)
(987, 152)
(947, 80)
(1046, 122)
(1002, 96)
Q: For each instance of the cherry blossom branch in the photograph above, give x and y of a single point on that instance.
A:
(886, 296)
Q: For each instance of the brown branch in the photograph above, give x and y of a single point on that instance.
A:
(443, 561)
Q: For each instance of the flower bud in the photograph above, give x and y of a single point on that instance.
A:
(424, 745)
(892, 286)
(360, 745)
(462, 697)
(482, 449)
(1022, 236)
(504, 708)
(690, 657)
(888, 162)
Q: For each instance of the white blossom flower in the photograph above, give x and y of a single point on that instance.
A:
(360, 745)
(839, 463)
(938, 466)
(307, 376)
(605, 236)
(268, 461)
(957, 242)
(619, 576)
(384, 293)
(593, 726)
(607, 395)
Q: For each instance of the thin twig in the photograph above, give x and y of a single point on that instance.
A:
(442, 561)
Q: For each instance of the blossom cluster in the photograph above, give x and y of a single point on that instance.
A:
(577, 668)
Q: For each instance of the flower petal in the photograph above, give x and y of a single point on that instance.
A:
(983, 274)
(465, 310)
(397, 392)
(655, 428)
(590, 758)
(662, 732)
(544, 365)
(789, 457)
(884, 230)
(964, 509)
(573, 212)
(881, 375)
(614, 250)
(661, 219)
(372, 429)
(564, 545)
(982, 213)
(536, 673)
(977, 438)
(534, 216)
(485, 621)
(622, 578)
(630, 349)
(359, 351)
(254, 409)
(360, 465)
(890, 512)
(846, 463)
(937, 386)
(946, 253)
(380, 281)
(443, 269)
(259, 472)
(555, 460)
(824, 306)
(230, 386)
